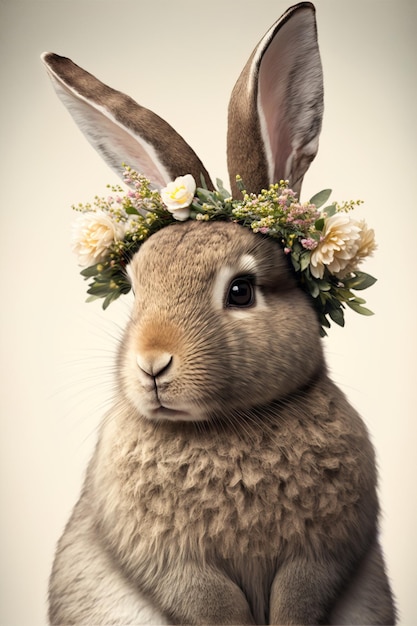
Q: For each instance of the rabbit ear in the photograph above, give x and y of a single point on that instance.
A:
(121, 130)
(276, 107)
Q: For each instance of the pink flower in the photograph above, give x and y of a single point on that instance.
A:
(309, 243)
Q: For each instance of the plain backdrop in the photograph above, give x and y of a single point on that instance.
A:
(180, 58)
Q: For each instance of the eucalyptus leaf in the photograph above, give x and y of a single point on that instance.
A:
(295, 260)
(324, 321)
(98, 289)
(330, 210)
(126, 287)
(345, 294)
(113, 295)
(313, 288)
(337, 316)
(240, 184)
(92, 298)
(203, 182)
(361, 280)
(320, 198)
(324, 299)
(304, 261)
(196, 206)
(359, 308)
(223, 192)
(89, 272)
(205, 195)
(323, 285)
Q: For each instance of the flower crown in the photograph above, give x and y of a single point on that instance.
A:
(325, 246)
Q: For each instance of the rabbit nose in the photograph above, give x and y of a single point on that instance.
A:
(154, 364)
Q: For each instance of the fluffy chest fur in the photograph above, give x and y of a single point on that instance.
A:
(282, 480)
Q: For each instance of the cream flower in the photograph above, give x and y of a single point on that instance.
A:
(366, 246)
(93, 233)
(178, 195)
(338, 246)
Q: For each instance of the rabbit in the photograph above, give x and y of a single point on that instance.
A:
(232, 482)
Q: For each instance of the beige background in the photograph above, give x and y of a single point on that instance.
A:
(181, 58)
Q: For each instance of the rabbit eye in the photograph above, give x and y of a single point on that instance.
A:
(241, 292)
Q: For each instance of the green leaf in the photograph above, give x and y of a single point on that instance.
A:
(337, 316)
(223, 192)
(323, 285)
(345, 294)
(130, 210)
(324, 321)
(196, 206)
(92, 298)
(359, 308)
(313, 288)
(319, 224)
(113, 295)
(296, 262)
(330, 210)
(324, 298)
(89, 272)
(356, 306)
(203, 181)
(240, 184)
(361, 280)
(304, 261)
(320, 198)
(98, 289)
(205, 195)
(125, 287)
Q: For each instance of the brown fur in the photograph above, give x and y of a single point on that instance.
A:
(269, 81)
(232, 482)
(279, 492)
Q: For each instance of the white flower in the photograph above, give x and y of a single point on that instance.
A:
(178, 195)
(338, 246)
(93, 234)
(366, 246)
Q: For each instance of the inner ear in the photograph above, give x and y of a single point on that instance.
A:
(276, 106)
(290, 98)
(121, 130)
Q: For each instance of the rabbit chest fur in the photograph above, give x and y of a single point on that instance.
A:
(245, 497)
(295, 482)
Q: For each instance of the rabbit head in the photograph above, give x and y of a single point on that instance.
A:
(214, 324)
(218, 314)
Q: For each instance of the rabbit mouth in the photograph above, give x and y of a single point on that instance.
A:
(173, 415)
